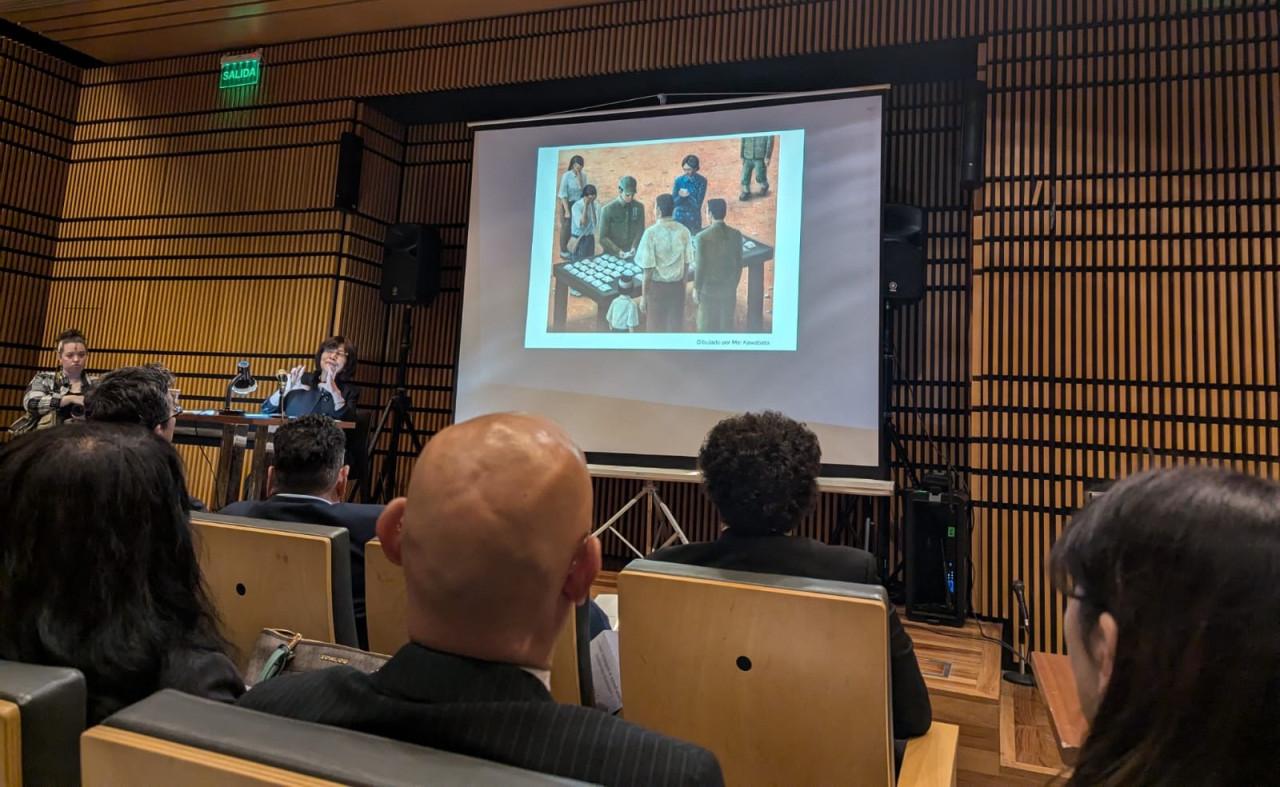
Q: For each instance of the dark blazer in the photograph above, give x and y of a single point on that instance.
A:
(360, 520)
(483, 709)
(803, 557)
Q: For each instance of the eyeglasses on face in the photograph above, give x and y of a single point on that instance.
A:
(338, 351)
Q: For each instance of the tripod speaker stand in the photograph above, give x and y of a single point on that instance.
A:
(397, 411)
(650, 492)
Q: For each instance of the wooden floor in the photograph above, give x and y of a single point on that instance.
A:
(1005, 734)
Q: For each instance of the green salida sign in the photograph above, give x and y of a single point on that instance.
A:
(240, 70)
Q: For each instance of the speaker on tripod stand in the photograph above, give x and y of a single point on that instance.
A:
(410, 277)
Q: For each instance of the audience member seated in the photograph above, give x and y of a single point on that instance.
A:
(137, 395)
(1172, 624)
(761, 472)
(306, 484)
(494, 539)
(98, 571)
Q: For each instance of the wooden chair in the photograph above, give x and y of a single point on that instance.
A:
(276, 575)
(175, 738)
(385, 600)
(42, 712)
(785, 679)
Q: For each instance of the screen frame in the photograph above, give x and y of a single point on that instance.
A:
(881, 471)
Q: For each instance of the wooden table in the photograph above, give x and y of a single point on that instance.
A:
(1058, 687)
(238, 433)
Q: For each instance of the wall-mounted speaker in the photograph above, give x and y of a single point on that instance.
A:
(972, 134)
(902, 253)
(411, 265)
(346, 187)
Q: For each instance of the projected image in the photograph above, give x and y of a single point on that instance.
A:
(676, 239)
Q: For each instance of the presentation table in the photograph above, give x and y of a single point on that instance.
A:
(603, 289)
(233, 434)
(862, 487)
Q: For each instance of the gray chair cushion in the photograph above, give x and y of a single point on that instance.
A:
(780, 581)
(52, 703)
(316, 750)
(344, 614)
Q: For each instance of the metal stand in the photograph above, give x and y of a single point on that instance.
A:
(1021, 676)
(397, 409)
(650, 491)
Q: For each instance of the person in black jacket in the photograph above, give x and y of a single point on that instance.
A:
(328, 390)
(761, 472)
(307, 484)
(496, 546)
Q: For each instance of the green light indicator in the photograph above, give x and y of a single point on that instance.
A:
(951, 532)
(240, 70)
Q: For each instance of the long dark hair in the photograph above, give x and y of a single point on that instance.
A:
(97, 566)
(1187, 561)
(348, 368)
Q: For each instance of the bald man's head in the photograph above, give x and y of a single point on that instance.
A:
(494, 538)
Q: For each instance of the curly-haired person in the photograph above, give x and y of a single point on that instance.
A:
(761, 472)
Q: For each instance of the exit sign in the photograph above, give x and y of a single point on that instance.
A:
(240, 70)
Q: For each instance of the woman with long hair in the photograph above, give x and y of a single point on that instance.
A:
(55, 397)
(332, 391)
(98, 570)
(1172, 624)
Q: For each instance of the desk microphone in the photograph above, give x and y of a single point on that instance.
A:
(282, 377)
(1019, 591)
(1020, 676)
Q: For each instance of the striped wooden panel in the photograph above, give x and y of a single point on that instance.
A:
(125, 31)
(1107, 301)
(38, 96)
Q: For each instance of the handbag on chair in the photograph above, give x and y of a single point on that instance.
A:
(279, 651)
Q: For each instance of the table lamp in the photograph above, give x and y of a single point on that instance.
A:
(242, 384)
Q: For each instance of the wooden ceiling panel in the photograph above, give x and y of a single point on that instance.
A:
(122, 31)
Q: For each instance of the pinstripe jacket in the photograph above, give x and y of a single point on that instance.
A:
(483, 709)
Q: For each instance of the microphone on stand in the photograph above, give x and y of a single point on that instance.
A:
(1019, 592)
(1021, 676)
(282, 377)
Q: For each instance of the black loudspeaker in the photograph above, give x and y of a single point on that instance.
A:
(937, 564)
(411, 265)
(902, 253)
(972, 134)
(346, 187)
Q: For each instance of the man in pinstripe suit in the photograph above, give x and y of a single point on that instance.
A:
(494, 539)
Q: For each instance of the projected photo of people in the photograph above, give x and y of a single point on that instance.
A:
(667, 237)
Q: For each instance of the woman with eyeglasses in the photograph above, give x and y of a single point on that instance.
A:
(328, 390)
(1172, 624)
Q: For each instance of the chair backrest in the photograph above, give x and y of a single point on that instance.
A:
(175, 738)
(276, 575)
(785, 679)
(571, 661)
(42, 713)
(386, 601)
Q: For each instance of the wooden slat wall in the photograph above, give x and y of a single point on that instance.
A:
(1109, 297)
(38, 96)
(209, 237)
(1125, 285)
